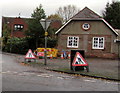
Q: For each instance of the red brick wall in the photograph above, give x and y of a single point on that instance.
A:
(16, 33)
(56, 24)
(89, 52)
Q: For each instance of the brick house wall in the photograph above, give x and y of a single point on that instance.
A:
(87, 46)
(98, 28)
(55, 24)
(18, 33)
(11, 22)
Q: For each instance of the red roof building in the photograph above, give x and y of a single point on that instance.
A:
(17, 25)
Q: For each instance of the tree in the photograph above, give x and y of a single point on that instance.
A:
(112, 14)
(35, 29)
(55, 17)
(67, 12)
(6, 34)
(38, 13)
(56, 22)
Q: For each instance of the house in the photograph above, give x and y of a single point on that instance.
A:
(17, 25)
(89, 32)
(118, 41)
(55, 24)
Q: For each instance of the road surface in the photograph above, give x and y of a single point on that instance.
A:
(17, 77)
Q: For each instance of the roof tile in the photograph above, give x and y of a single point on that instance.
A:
(86, 13)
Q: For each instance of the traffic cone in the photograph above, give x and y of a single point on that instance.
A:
(68, 55)
(62, 56)
(51, 56)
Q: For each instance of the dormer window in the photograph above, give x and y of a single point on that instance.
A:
(18, 27)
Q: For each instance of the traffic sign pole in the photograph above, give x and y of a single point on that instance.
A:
(45, 24)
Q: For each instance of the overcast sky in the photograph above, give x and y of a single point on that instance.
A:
(26, 7)
(12, 8)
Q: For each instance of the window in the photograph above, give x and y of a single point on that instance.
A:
(72, 41)
(98, 43)
(18, 27)
(86, 26)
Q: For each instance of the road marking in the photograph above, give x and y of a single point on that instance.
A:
(26, 74)
(45, 75)
(90, 80)
(112, 82)
(8, 72)
(65, 77)
(15, 72)
(60, 77)
(3, 72)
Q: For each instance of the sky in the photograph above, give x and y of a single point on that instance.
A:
(12, 8)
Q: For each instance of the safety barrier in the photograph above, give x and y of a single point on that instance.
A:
(52, 53)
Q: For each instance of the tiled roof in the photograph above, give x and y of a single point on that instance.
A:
(86, 13)
(6, 20)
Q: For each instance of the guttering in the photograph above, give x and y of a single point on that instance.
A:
(63, 26)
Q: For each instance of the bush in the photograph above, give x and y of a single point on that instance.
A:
(17, 45)
(22, 45)
(51, 42)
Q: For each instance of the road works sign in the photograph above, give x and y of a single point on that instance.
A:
(79, 60)
(30, 55)
(40, 54)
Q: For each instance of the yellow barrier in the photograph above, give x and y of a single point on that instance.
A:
(51, 52)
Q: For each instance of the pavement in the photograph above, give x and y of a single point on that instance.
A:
(98, 67)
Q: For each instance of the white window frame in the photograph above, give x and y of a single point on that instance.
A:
(98, 43)
(72, 41)
(86, 26)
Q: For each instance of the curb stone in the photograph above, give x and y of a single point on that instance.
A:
(85, 75)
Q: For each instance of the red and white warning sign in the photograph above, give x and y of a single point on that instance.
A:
(30, 55)
(40, 54)
(79, 60)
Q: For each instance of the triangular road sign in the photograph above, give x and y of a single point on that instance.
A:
(30, 55)
(79, 60)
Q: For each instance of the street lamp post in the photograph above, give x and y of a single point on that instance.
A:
(45, 24)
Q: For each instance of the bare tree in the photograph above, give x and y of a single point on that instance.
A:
(67, 12)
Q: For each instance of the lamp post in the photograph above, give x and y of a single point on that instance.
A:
(45, 24)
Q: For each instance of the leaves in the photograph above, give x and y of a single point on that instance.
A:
(39, 13)
(55, 17)
(35, 29)
(112, 14)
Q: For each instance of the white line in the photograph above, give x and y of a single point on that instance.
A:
(90, 80)
(44, 75)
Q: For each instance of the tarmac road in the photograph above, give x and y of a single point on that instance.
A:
(17, 77)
